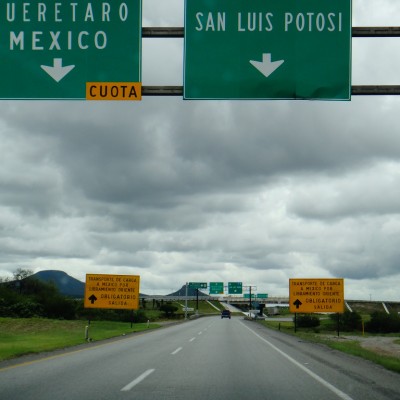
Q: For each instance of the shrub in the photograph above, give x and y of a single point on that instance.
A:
(307, 321)
(168, 309)
(30, 297)
(140, 316)
(23, 309)
(348, 321)
(383, 323)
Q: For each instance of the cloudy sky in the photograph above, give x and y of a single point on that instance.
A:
(176, 191)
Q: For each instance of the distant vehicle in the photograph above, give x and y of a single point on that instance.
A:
(225, 314)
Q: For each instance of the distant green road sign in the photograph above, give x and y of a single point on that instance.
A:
(235, 288)
(262, 296)
(216, 287)
(275, 49)
(198, 285)
(50, 50)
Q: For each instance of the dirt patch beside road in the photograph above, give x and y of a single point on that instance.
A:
(379, 344)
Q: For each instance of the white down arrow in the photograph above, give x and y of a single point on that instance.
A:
(57, 71)
(266, 66)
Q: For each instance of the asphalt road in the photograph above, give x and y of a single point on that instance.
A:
(209, 358)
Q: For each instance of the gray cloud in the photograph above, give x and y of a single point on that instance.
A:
(252, 191)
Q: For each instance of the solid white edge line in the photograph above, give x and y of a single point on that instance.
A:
(334, 389)
(176, 351)
(139, 379)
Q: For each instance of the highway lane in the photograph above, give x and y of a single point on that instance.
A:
(208, 358)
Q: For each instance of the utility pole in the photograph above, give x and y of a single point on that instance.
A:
(186, 298)
(250, 301)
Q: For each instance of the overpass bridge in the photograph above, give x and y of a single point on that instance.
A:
(225, 299)
(279, 301)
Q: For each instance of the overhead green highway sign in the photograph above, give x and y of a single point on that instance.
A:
(51, 50)
(198, 285)
(258, 49)
(216, 287)
(235, 288)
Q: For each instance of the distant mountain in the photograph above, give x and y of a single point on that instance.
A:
(67, 285)
(191, 292)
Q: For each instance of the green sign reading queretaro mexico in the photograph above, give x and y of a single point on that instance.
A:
(50, 49)
(267, 49)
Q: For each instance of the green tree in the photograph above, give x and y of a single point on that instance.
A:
(307, 321)
(26, 296)
(22, 273)
(348, 321)
(383, 323)
(168, 309)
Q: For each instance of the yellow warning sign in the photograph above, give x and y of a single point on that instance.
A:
(112, 291)
(113, 91)
(316, 295)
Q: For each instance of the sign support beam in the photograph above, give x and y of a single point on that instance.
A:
(363, 31)
(357, 90)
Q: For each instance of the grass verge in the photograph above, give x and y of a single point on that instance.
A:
(352, 347)
(20, 336)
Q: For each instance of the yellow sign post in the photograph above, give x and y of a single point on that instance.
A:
(112, 291)
(316, 295)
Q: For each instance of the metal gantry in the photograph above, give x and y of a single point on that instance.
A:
(356, 90)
